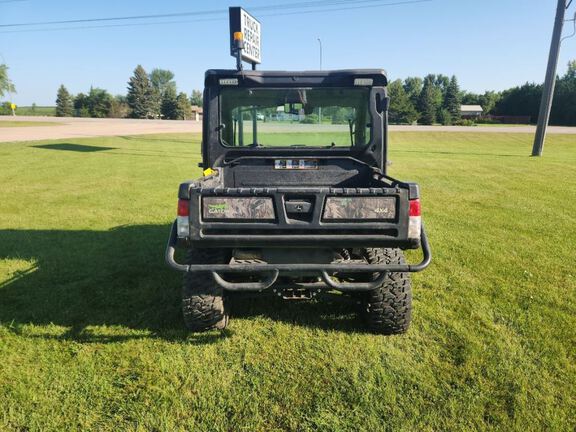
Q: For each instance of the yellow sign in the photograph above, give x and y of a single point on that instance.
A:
(13, 106)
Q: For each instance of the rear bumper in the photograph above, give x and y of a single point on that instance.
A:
(272, 271)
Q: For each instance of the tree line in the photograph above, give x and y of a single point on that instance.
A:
(429, 100)
(149, 96)
(437, 99)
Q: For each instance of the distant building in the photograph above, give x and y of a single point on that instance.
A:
(196, 113)
(471, 111)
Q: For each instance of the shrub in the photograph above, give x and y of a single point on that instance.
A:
(445, 117)
(310, 119)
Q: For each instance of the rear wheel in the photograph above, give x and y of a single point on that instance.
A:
(203, 300)
(388, 308)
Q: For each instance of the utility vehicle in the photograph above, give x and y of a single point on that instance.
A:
(295, 197)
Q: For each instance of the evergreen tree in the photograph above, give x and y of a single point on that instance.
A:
(401, 108)
(169, 108)
(444, 117)
(64, 106)
(183, 107)
(452, 99)
(428, 103)
(141, 96)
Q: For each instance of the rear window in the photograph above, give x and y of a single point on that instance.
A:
(295, 117)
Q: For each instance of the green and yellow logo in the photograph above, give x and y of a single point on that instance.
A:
(217, 208)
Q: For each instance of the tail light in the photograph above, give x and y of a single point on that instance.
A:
(183, 221)
(183, 207)
(415, 219)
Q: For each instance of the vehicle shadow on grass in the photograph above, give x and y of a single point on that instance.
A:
(118, 278)
(114, 151)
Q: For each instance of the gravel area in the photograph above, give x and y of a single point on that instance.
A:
(88, 127)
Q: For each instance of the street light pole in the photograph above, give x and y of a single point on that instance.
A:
(320, 108)
(549, 83)
(320, 43)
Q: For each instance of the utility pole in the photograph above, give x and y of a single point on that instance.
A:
(550, 82)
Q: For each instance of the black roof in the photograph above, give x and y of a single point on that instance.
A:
(343, 77)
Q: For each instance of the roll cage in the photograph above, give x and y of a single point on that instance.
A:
(215, 154)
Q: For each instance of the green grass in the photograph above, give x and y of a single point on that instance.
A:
(36, 111)
(16, 123)
(502, 124)
(91, 336)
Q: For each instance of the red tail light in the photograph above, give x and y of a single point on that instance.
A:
(415, 209)
(183, 207)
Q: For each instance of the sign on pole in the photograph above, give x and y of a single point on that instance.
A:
(242, 21)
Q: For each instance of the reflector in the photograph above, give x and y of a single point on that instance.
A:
(183, 207)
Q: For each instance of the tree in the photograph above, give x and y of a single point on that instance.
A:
(64, 105)
(339, 116)
(81, 106)
(430, 101)
(444, 117)
(413, 88)
(489, 100)
(6, 85)
(119, 107)
(564, 106)
(140, 96)
(99, 102)
(161, 80)
(468, 98)
(452, 100)
(520, 101)
(401, 108)
(183, 108)
(441, 82)
(196, 99)
(169, 108)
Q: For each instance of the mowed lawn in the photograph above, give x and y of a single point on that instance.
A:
(91, 336)
(16, 123)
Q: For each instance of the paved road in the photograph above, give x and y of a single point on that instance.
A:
(87, 127)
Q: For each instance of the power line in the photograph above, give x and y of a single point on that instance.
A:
(321, 4)
(573, 32)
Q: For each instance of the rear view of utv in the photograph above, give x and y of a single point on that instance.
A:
(295, 198)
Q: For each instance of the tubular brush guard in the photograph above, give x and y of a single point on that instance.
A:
(273, 270)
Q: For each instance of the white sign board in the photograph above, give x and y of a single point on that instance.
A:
(242, 21)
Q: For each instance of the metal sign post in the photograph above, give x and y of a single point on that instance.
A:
(245, 37)
(250, 29)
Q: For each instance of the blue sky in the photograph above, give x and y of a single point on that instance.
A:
(487, 44)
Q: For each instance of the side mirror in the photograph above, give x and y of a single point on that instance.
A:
(382, 101)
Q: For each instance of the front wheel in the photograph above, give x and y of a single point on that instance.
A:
(388, 308)
(203, 300)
